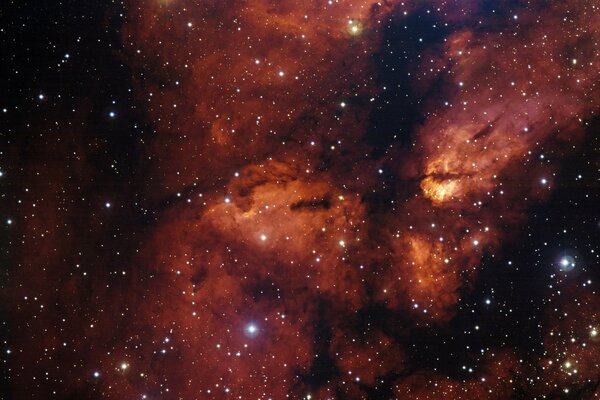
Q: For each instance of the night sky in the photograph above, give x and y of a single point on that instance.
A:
(289, 199)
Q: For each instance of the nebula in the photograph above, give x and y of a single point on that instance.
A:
(283, 253)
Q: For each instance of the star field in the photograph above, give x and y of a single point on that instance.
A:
(300, 199)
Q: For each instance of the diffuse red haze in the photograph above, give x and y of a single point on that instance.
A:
(261, 109)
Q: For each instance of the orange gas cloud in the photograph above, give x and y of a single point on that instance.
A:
(261, 110)
(276, 230)
(240, 83)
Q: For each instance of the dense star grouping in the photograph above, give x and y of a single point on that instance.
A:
(301, 199)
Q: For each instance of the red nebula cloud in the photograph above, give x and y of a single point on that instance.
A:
(260, 110)
(238, 84)
(510, 94)
(279, 96)
(497, 382)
